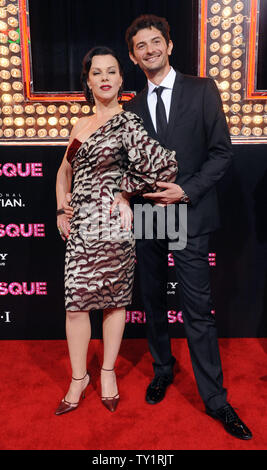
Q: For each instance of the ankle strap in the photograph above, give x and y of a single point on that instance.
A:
(108, 370)
(73, 378)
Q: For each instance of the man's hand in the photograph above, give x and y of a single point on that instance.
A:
(67, 208)
(125, 211)
(172, 193)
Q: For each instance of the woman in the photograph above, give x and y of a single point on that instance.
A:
(108, 152)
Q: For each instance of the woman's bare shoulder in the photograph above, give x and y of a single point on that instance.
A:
(78, 127)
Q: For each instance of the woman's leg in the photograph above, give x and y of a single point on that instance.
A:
(78, 331)
(113, 328)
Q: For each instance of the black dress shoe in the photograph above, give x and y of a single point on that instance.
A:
(157, 388)
(231, 421)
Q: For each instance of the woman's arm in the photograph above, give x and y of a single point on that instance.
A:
(64, 178)
(148, 162)
(63, 183)
(63, 186)
(64, 174)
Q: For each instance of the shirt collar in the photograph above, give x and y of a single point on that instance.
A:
(167, 82)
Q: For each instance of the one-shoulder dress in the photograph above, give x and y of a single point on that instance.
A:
(100, 255)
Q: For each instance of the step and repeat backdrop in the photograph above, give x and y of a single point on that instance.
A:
(32, 252)
(35, 126)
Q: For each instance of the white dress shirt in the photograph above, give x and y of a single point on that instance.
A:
(166, 95)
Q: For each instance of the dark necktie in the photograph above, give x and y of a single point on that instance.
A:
(161, 118)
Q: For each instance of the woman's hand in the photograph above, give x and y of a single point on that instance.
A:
(126, 212)
(63, 226)
(67, 208)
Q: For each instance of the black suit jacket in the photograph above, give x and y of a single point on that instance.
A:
(198, 132)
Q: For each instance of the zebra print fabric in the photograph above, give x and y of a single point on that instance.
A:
(100, 255)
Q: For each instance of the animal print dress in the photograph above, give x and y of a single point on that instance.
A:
(100, 255)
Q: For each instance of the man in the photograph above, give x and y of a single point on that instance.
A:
(184, 115)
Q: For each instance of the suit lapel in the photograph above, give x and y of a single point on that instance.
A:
(145, 114)
(175, 103)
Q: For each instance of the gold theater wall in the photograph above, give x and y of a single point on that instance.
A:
(228, 32)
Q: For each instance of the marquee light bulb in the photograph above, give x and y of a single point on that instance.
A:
(52, 121)
(7, 98)
(227, 12)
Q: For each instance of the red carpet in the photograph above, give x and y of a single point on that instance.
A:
(34, 377)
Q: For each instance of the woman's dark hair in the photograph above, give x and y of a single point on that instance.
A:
(147, 21)
(86, 65)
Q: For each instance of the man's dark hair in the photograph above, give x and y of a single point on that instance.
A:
(147, 21)
(86, 65)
